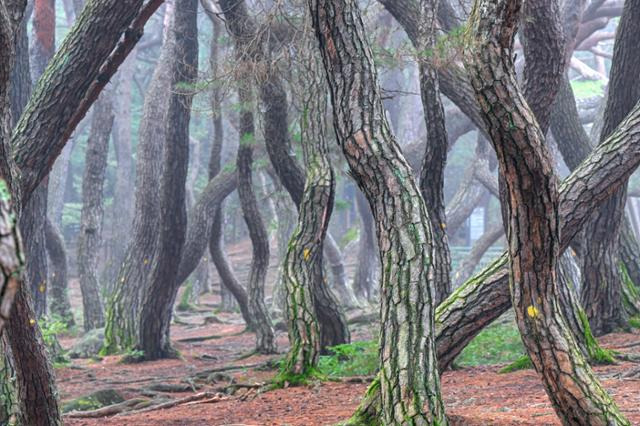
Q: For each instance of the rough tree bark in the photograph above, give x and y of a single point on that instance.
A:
(365, 282)
(159, 297)
(302, 268)
(409, 381)
(602, 286)
(123, 197)
(435, 156)
(121, 330)
(532, 227)
(91, 216)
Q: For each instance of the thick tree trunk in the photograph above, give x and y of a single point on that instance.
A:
(37, 392)
(409, 385)
(91, 217)
(159, 297)
(123, 197)
(32, 224)
(365, 282)
(302, 266)
(59, 304)
(602, 287)
(533, 228)
(121, 331)
(42, 130)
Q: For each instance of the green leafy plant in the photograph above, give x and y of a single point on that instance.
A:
(353, 359)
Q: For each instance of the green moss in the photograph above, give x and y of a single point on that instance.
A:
(634, 322)
(185, 298)
(99, 399)
(597, 355)
(522, 363)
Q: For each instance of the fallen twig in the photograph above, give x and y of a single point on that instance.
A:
(109, 410)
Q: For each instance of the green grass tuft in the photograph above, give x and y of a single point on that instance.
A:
(522, 363)
(353, 359)
(496, 344)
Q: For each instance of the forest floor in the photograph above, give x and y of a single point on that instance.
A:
(215, 349)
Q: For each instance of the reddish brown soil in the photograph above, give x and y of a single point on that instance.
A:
(473, 396)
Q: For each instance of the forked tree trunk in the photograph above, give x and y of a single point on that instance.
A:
(159, 297)
(302, 266)
(276, 132)
(532, 227)
(602, 289)
(409, 384)
(91, 216)
(121, 330)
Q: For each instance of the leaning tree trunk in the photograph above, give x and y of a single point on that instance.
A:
(265, 338)
(409, 384)
(60, 304)
(121, 329)
(479, 248)
(602, 287)
(532, 227)
(159, 297)
(91, 216)
(34, 214)
(302, 267)
(435, 157)
(365, 282)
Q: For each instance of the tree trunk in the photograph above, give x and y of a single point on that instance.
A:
(231, 292)
(409, 374)
(123, 197)
(91, 217)
(435, 157)
(602, 287)
(35, 378)
(121, 330)
(60, 304)
(159, 297)
(365, 283)
(276, 124)
(303, 269)
(532, 227)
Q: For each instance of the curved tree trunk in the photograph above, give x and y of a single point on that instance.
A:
(365, 283)
(60, 304)
(602, 287)
(409, 385)
(302, 266)
(121, 330)
(533, 228)
(159, 297)
(37, 392)
(265, 337)
(91, 217)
